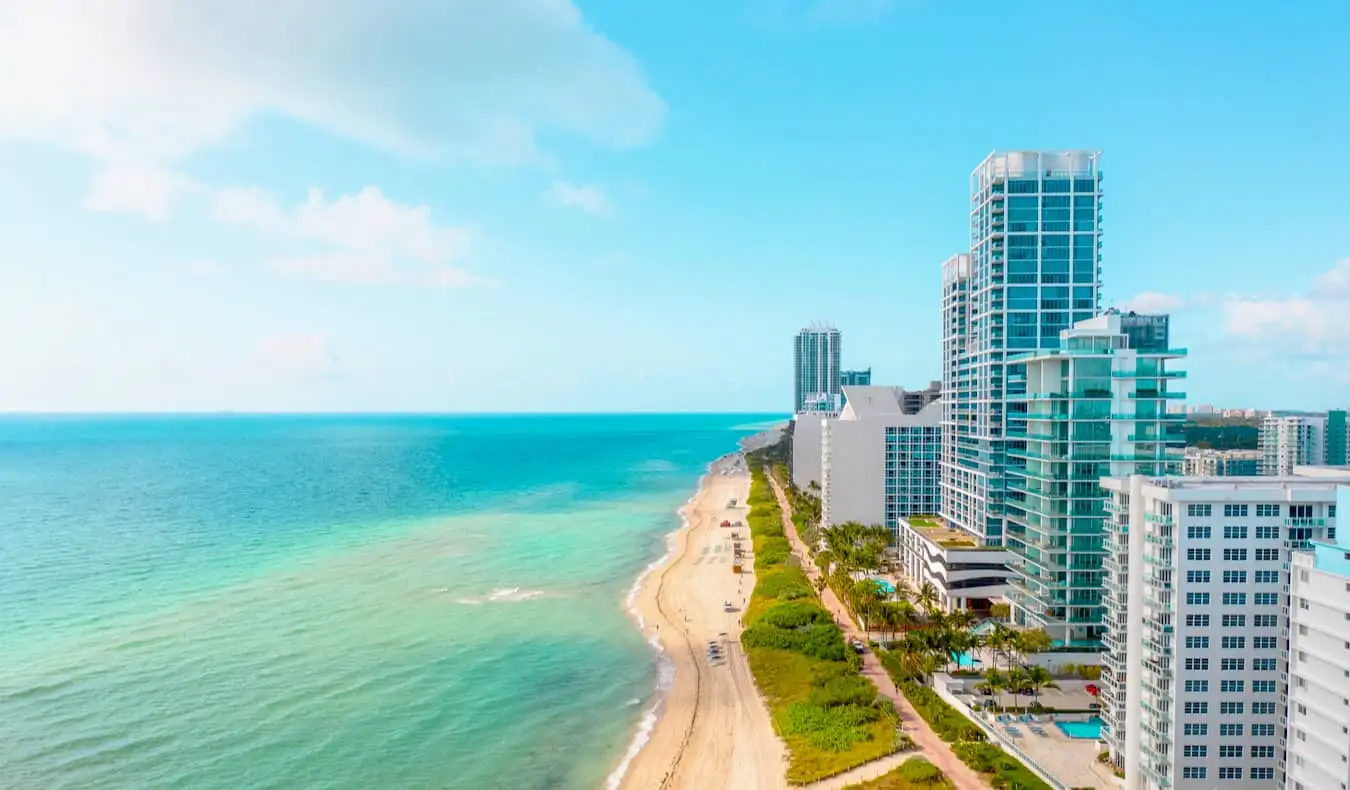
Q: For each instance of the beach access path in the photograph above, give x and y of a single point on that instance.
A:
(930, 745)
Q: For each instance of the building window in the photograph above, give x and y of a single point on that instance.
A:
(1232, 687)
(1267, 533)
(1197, 686)
(1199, 511)
(1263, 686)
(1234, 577)
(1196, 708)
(1235, 555)
(1234, 533)
(1267, 511)
(1267, 577)
(1197, 664)
(1230, 772)
(1262, 730)
(1265, 643)
(1265, 620)
(1193, 772)
(1263, 664)
(1235, 599)
(1234, 643)
(1195, 729)
(1197, 621)
(1197, 599)
(1234, 620)
(1230, 730)
(1263, 709)
(1197, 642)
(1232, 664)
(1267, 555)
(1197, 533)
(1197, 577)
(1266, 599)
(1194, 750)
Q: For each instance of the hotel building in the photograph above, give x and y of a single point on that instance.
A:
(1318, 740)
(1198, 623)
(965, 574)
(1095, 407)
(879, 458)
(816, 370)
(1032, 272)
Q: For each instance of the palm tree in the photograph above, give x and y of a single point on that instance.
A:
(927, 598)
(1000, 611)
(1000, 640)
(824, 559)
(1040, 678)
(960, 642)
(995, 682)
(1031, 642)
(903, 590)
(1017, 680)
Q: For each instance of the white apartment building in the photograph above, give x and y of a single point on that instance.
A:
(816, 354)
(806, 441)
(1290, 440)
(1033, 270)
(1318, 741)
(1198, 623)
(879, 458)
(1221, 463)
(966, 575)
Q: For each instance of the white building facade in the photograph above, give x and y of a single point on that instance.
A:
(1033, 270)
(1198, 623)
(879, 459)
(807, 432)
(966, 575)
(1318, 740)
(816, 355)
(1221, 463)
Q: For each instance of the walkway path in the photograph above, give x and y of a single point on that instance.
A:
(932, 747)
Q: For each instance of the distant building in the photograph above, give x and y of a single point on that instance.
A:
(1221, 463)
(1319, 606)
(853, 378)
(1293, 440)
(806, 439)
(816, 352)
(879, 458)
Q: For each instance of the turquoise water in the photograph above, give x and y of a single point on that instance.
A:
(331, 602)
(886, 586)
(966, 661)
(1085, 730)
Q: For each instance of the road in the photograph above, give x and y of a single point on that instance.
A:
(932, 747)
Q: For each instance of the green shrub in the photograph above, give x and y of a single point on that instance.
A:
(917, 770)
(770, 551)
(786, 583)
(949, 725)
(839, 691)
(1004, 771)
(794, 614)
(832, 729)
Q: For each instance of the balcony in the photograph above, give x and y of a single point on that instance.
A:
(1155, 395)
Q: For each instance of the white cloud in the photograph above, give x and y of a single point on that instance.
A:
(1152, 302)
(1308, 324)
(143, 83)
(589, 198)
(136, 189)
(370, 239)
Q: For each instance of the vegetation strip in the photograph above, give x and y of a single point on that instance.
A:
(831, 717)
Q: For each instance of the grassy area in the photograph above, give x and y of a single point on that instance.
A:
(831, 718)
(916, 773)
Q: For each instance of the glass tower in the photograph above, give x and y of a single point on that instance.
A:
(1034, 269)
(815, 367)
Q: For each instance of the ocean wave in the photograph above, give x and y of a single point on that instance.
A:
(501, 595)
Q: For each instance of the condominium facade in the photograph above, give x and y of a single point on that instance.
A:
(1198, 622)
(965, 575)
(1095, 407)
(853, 378)
(1033, 270)
(1318, 740)
(1221, 463)
(816, 352)
(879, 458)
(1292, 440)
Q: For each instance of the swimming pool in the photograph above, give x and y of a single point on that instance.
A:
(967, 661)
(886, 586)
(1090, 730)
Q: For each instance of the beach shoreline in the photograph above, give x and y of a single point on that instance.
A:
(678, 603)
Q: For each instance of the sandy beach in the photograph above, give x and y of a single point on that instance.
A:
(714, 730)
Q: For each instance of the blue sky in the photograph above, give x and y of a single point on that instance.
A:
(609, 205)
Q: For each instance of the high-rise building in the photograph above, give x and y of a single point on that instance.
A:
(1198, 620)
(1292, 440)
(1033, 271)
(1338, 438)
(1221, 463)
(1318, 739)
(1095, 407)
(879, 458)
(815, 368)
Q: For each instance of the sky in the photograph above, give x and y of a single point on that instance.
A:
(608, 205)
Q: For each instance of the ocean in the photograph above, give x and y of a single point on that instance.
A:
(332, 601)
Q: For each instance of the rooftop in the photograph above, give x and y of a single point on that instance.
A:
(933, 528)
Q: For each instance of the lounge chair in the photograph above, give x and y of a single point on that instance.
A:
(1014, 732)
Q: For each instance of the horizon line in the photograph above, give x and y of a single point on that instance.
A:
(354, 413)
